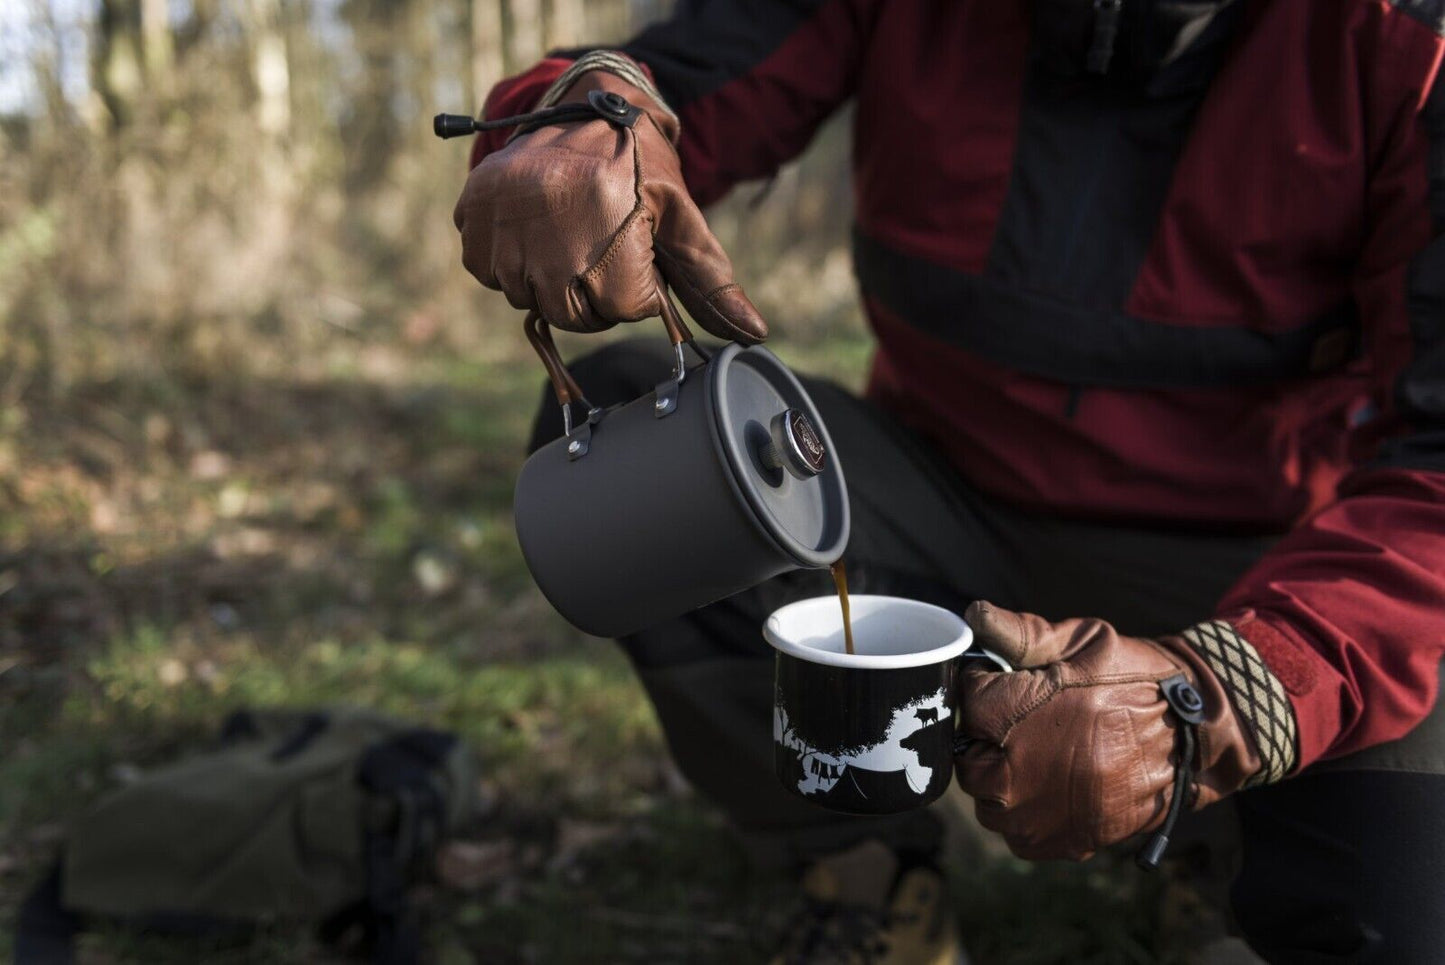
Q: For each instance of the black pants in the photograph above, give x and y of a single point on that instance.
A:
(1339, 866)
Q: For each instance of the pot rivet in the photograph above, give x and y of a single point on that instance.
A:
(574, 447)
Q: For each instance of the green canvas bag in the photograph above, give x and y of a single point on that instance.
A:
(301, 816)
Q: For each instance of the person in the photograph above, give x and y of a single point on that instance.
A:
(1158, 289)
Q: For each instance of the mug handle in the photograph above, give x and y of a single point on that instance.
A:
(565, 387)
(960, 742)
(1000, 664)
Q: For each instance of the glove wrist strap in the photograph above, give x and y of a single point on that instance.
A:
(611, 62)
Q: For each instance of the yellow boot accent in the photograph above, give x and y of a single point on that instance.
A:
(861, 909)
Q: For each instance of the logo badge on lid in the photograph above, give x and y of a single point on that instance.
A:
(804, 441)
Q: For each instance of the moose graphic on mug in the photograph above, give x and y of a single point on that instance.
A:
(823, 768)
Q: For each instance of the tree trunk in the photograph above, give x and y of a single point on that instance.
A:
(270, 70)
(566, 24)
(524, 33)
(116, 67)
(487, 59)
(156, 43)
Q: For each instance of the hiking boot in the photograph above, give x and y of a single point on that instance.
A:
(866, 907)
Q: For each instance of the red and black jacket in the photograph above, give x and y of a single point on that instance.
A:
(1216, 300)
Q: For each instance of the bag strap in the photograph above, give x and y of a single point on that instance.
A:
(307, 730)
(44, 931)
(401, 769)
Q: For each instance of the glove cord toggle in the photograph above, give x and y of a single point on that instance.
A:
(1188, 706)
(608, 105)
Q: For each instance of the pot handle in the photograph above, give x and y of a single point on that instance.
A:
(565, 387)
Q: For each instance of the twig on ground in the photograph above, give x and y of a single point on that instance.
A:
(666, 923)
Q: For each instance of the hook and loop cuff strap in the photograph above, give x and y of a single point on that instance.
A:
(1257, 694)
(611, 62)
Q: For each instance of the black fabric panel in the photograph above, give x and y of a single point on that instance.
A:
(1418, 450)
(1429, 12)
(707, 43)
(1343, 866)
(1084, 345)
(1092, 166)
(1420, 392)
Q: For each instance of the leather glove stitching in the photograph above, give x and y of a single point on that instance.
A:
(616, 244)
(639, 173)
(1098, 680)
(1023, 712)
(693, 297)
(1024, 637)
(722, 290)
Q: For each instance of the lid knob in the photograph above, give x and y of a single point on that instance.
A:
(794, 445)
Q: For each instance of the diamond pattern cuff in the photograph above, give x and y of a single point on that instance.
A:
(1259, 698)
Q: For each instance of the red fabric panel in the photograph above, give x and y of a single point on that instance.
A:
(515, 95)
(938, 107)
(1247, 177)
(1258, 182)
(750, 126)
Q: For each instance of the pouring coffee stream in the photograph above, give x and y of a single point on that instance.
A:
(840, 583)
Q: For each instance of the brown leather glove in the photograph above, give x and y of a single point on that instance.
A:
(1080, 747)
(576, 219)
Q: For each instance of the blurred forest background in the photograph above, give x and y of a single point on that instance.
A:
(258, 432)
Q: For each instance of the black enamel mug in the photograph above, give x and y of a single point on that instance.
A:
(869, 732)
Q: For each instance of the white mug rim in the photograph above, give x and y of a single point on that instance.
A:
(962, 640)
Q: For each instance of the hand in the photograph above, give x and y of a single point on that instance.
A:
(1076, 749)
(576, 220)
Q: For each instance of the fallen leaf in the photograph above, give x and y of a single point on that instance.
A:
(124, 773)
(172, 673)
(209, 464)
(433, 574)
(575, 837)
(472, 865)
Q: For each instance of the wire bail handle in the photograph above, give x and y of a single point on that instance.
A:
(568, 391)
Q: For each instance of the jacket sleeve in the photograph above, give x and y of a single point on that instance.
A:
(1348, 610)
(750, 80)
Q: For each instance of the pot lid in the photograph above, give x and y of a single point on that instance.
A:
(773, 441)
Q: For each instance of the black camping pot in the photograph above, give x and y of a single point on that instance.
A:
(721, 478)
